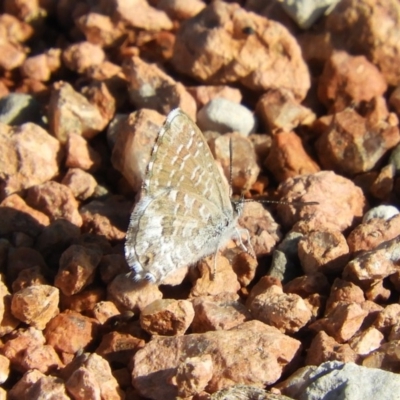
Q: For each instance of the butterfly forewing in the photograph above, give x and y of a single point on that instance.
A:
(182, 160)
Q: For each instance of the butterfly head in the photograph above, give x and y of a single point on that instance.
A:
(237, 207)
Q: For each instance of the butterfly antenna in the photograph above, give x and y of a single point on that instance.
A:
(286, 203)
(230, 166)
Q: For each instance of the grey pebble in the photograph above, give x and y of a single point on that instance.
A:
(334, 380)
(19, 108)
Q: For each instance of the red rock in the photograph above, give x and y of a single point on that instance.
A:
(372, 233)
(35, 305)
(34, 382)
(84, 301)
(139, 14)
(377, 113)
(244, 265)
(77, 269)
(156, 365)
(383, 185)
(378, 292)
(125, 322)
(261, 286)
(379, 45)
(55, 238)
(325, 348)
(70, 112)
(221, 312)
(316, 303)
(34, 87)
(108, 218)
(193, 375)
(42, 358)
(375, 264)
(112, 265)
(348, 133)
(150, 87)
(367, 341)
(308, 284)
(203, 94)
(13, 33)
(373, 311)
(111, 74)
(22, 258)
(387, 318)
(99, 29)
(323, 251)
(244, 164)
(117, 347)
(70, 332)
(14, 56)
(340, 202)
(394, 332)
(29, 277)
(136, 138)
(104, 310)
(287, 312)
(30, 157)
(342, 322)
(55, 200)
(130, 295)
(26, 349)
(79, 57)
(343, 291)
(167, 317)
(386, 357)
(280, 111)
(95, 241)
(262, 145)
(17, 216)
(13, 29)
(101, 97)
(7, 321)
(263, 229)
(80, 154)
(81, 183)
(92, 378)
(227, 53)
(41, 66)
(225, 279)
(26, 10)
(347, 80)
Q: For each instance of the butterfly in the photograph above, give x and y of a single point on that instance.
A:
(184, 212)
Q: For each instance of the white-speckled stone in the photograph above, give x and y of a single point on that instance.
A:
(224, 116)
(384, 212)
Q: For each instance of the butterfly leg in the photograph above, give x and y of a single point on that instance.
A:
(214, 271)
(249, 249)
